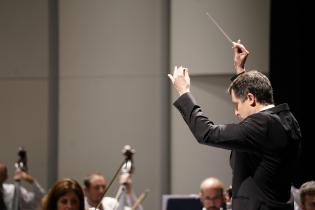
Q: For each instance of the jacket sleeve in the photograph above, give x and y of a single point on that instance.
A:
(248, 135)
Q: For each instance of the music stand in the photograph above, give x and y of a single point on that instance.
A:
(181, 202)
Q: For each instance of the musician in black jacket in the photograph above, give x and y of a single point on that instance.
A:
(264, 144)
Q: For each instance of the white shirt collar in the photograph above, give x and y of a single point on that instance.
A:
(267, 107)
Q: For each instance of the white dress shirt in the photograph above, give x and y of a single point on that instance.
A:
(28, 199)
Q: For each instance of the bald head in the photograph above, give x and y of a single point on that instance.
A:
(3, 173)
(211, 183)
(212, 193)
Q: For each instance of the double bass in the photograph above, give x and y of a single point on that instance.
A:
(125, 177)
(126, 169)
(20, 165)
(126, 172)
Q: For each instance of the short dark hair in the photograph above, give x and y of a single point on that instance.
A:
(87, 179)
(255, 83)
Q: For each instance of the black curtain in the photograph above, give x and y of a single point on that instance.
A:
(291, 66)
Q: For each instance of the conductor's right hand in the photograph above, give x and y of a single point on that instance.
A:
(240, 56)
(180, 80)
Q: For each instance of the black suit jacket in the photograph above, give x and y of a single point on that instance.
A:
(264, 150)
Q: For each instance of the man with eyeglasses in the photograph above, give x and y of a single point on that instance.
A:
(212, 194)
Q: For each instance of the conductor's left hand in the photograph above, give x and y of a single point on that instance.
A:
(180, 80)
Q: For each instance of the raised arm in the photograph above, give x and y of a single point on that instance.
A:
(180, 80)
(240, 56)
(29, 198)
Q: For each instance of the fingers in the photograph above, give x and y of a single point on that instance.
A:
(175, 71)
(186, 73)
(239, 48)
(171, 78)
(181, 71)
(235, 48)
(238, 42)
(178, 71)
(180, 79)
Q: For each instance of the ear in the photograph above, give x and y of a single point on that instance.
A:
(251, 99)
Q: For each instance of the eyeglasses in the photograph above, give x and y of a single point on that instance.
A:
(214, 199)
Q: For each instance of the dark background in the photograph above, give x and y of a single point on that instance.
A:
(292, 64)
